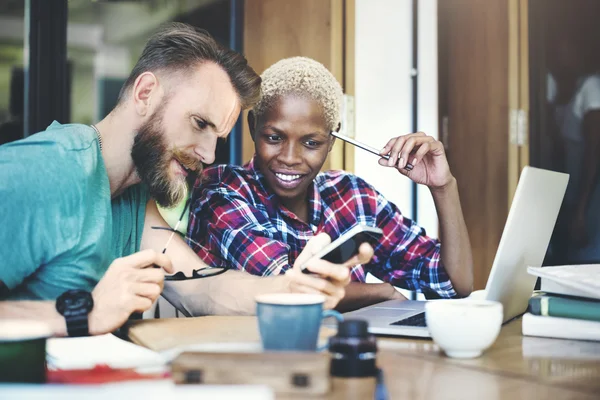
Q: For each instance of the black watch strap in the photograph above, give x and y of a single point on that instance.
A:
(77, 325)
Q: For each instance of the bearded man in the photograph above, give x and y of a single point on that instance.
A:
(79, 202)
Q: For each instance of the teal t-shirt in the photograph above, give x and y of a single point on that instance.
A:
(60, 229)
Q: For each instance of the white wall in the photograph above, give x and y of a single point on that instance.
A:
(383, 94)
(427, 101)
(383, 91)
(383, 98)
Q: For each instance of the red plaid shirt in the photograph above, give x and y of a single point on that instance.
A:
(236, 221)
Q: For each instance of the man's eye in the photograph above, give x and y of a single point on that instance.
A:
(201, 124)
(312, 143)
(273, 138)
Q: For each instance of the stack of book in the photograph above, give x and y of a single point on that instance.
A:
(568, 304)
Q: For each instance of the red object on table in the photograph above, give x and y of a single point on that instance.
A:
(100, 374)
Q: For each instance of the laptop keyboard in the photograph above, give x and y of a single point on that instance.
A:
(415, 320)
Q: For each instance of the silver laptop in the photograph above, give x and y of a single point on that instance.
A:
(524, 242)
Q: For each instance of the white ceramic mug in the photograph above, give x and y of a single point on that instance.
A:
(464, 328)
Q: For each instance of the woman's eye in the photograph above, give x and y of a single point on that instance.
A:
(201, 124)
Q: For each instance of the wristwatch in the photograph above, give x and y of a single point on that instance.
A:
(75, 305)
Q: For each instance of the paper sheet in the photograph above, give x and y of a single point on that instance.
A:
(136, 390)
(86, 352)
(583, 278)
(224, 347)
(539, 347)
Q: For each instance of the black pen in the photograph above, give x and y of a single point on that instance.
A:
(366, 147)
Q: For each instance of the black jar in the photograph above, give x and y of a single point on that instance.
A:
(353, 350)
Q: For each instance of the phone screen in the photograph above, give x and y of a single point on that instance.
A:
(349, 247)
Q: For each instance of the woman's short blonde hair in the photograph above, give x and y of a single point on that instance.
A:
(301, 76)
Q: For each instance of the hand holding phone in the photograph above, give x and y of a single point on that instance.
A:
(346, 246)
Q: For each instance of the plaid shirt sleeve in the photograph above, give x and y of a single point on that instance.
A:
(406, 257)
(227, 229)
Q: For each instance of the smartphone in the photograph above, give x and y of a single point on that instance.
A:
(346, 246)
(359, 144)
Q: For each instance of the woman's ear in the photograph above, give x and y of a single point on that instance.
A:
(332, 138)
(251, 123)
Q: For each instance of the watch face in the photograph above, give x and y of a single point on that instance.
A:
(74, 303)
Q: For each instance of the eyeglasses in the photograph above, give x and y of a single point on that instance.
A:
(205, 272)
(200, 273)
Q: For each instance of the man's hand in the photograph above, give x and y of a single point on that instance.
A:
(130, 284)
(331, 279)
(426, 156)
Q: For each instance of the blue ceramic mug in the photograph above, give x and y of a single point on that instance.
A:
(291, 321)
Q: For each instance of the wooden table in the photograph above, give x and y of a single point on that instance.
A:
(515, 367)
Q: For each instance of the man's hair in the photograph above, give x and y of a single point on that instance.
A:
(178, 47)
(303, 77)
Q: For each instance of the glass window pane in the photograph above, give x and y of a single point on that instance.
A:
(106, 38)
(12, 83)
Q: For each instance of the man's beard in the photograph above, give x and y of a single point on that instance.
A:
(152, 161)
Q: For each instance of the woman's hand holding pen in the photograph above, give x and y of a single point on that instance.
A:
(420, 157)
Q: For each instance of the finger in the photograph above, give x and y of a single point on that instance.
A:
(333, 301)
(406, 157)
(150, 275)
(165, 262)
(435, 145)
(392, 142)
(141, 304)
(321, 285)
(419, 154)
(388, 146)
(330, 304)
(336, 273)
(314, 245)
(306, 289)
(148, 258)
(365, 254)
(395, 150)
(149, 290)
(412, 142)
(330, 300)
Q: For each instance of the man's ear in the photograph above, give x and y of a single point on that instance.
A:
(145, 93)
(251, 123)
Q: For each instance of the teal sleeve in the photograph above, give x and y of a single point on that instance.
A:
(39, 211)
